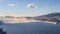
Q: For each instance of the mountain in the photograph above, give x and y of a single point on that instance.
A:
(12, 19)
(53, 17)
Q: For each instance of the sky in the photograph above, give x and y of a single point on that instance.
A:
(29, 7)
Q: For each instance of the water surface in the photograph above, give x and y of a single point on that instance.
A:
(32, 28)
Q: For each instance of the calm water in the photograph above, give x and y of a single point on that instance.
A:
(32, 28)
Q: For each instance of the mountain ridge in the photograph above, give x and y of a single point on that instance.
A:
(52, 17)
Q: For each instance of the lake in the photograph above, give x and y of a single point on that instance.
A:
(32, 28)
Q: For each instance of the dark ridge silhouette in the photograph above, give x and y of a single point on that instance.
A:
(2, 32)
(52, 17)
(58, 21)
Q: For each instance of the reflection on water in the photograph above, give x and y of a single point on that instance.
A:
(32, 28)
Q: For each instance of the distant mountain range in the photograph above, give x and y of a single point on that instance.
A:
(53, 17)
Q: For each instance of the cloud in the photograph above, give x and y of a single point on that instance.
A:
(32, 5)
(11, 5)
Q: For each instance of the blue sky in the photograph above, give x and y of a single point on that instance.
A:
(23, 7)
